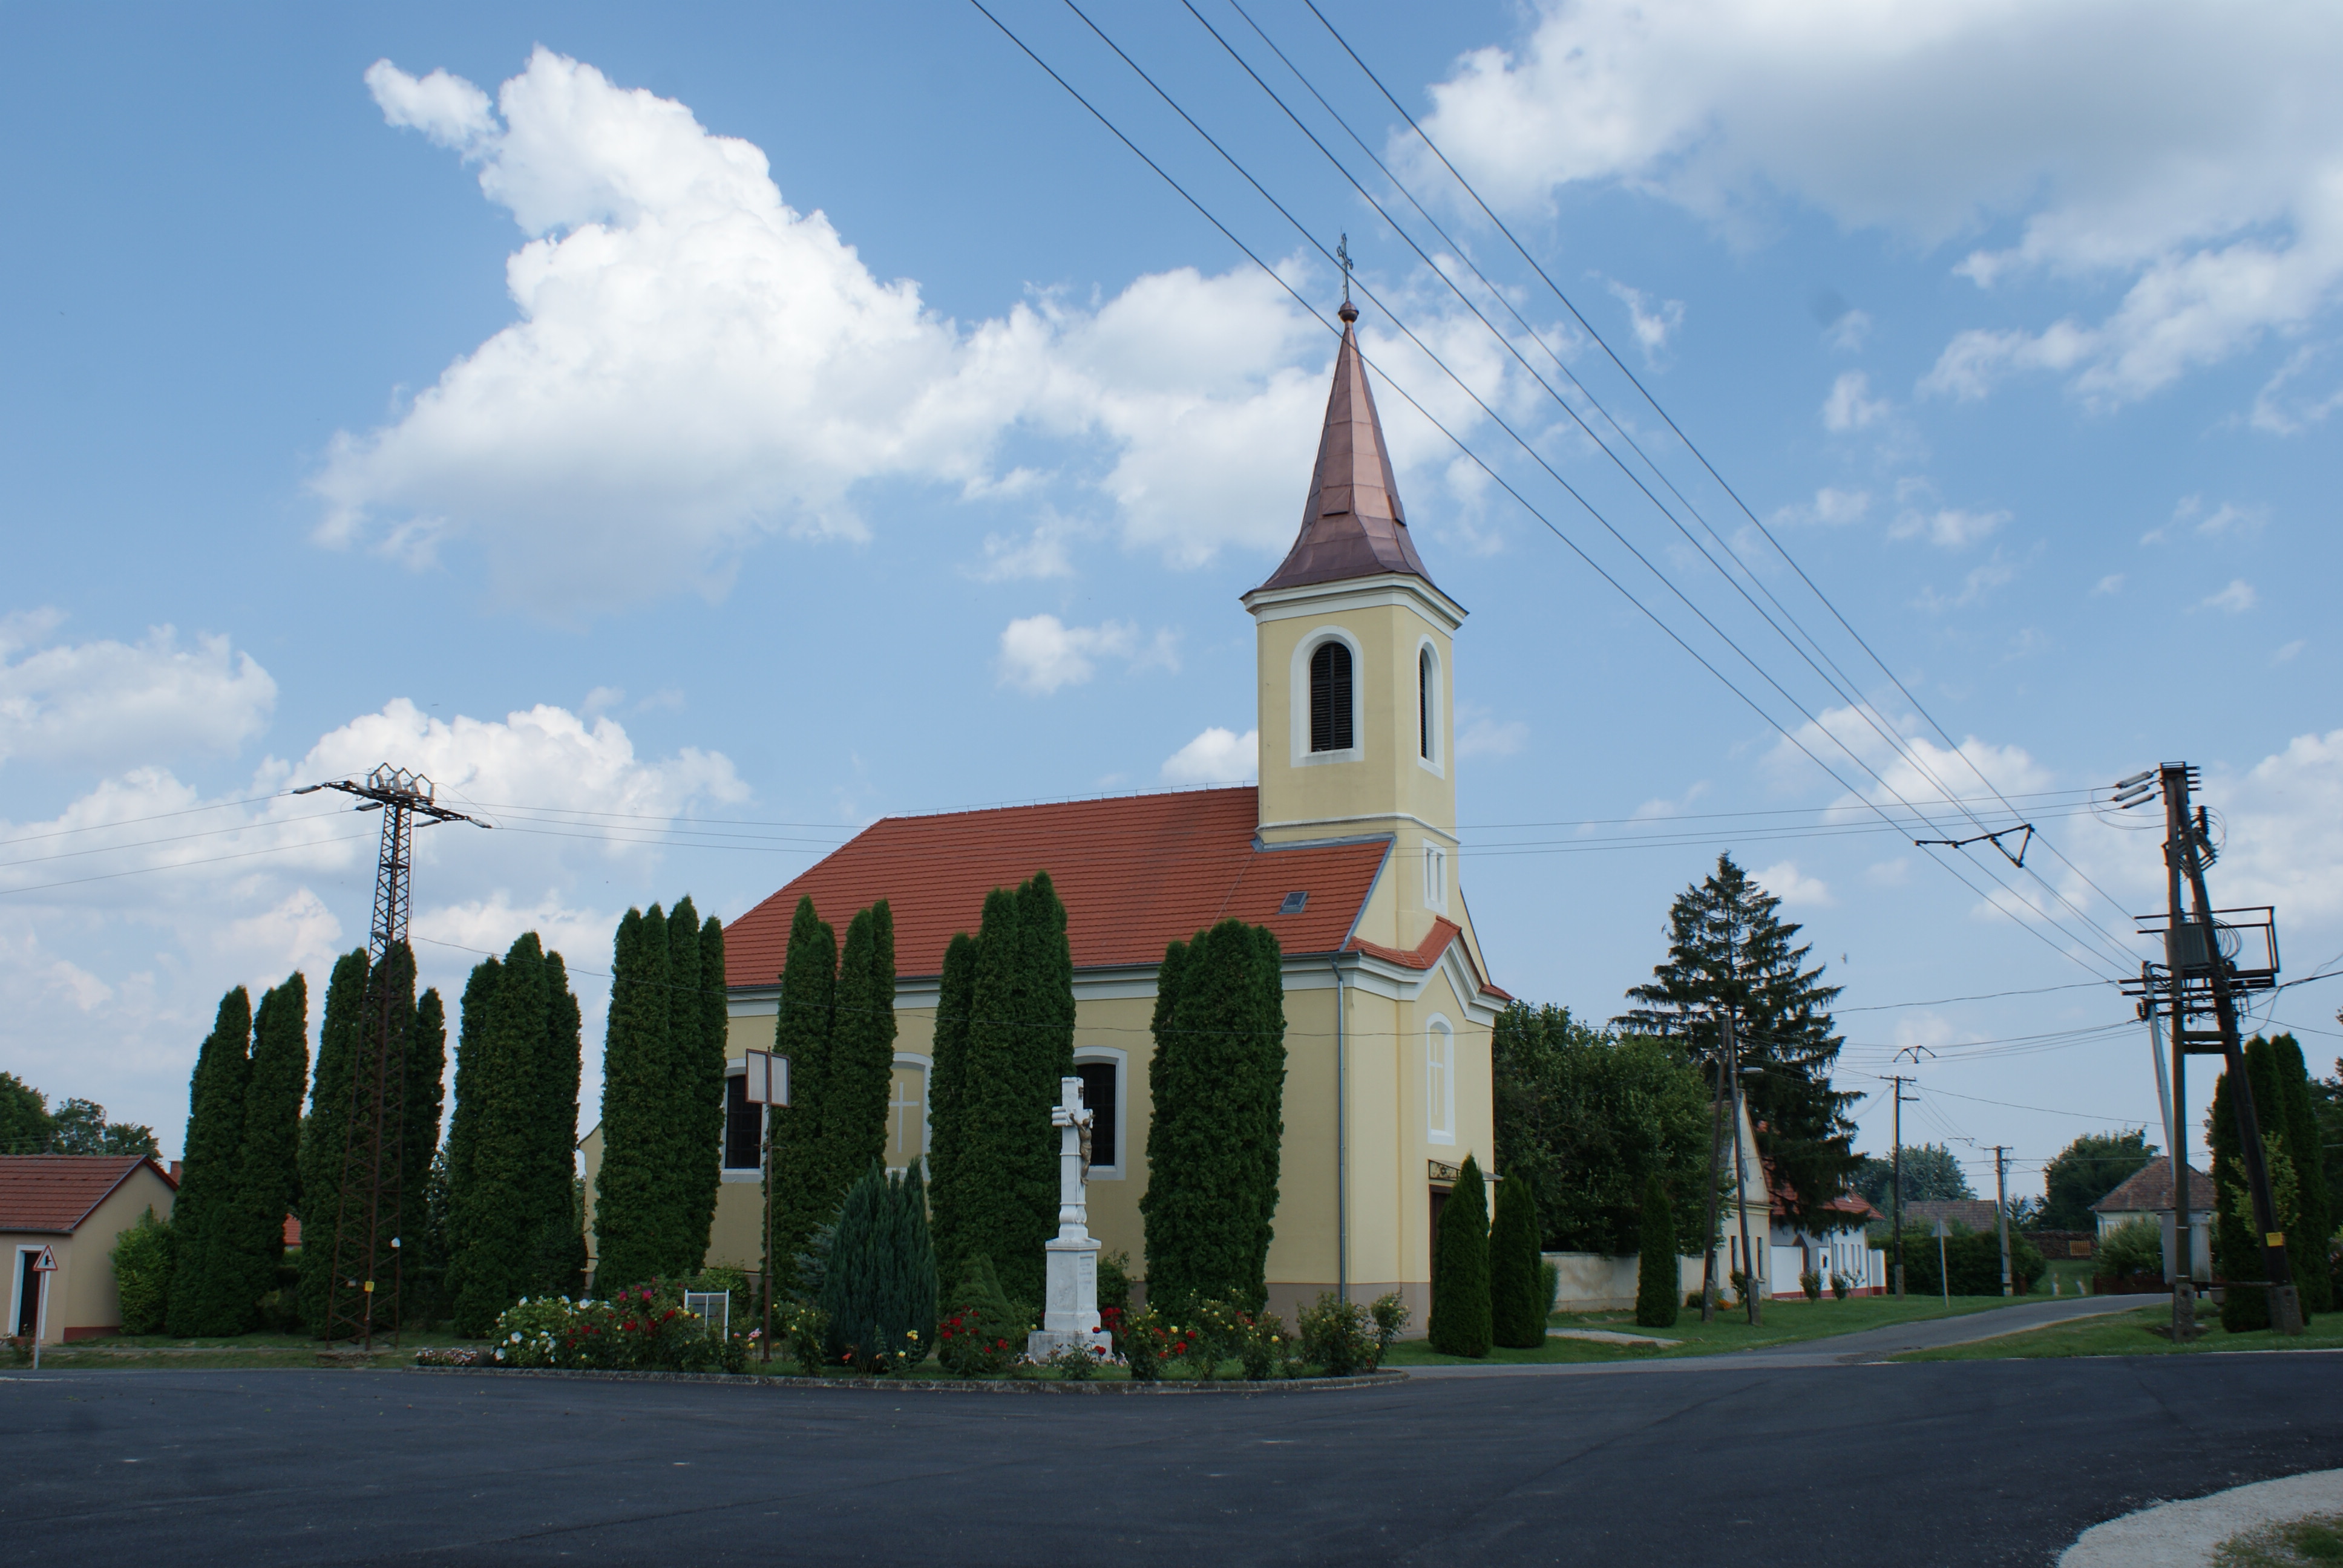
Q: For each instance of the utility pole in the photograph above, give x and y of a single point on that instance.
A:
(1751, 1290)
(1716, 1159)
(376, 1133)
(1896, 1198)
(2001, 1209)
(2201, 977)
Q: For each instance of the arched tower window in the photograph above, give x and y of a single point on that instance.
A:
(1330, 697)
(1423, 704)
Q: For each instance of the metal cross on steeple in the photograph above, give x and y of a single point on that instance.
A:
(1342, 256)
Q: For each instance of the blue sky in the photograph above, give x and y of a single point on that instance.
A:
(770, 418)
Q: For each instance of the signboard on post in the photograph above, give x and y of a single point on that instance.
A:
(43, 1266)
(46, 1263)
(767, 1079)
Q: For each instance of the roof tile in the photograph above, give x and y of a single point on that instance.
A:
(55, 1193)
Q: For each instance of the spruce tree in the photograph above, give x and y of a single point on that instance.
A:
(1517, 1311)
(802, 1195)
(862, 1047)
(324, 1136)
(879, 1287)
(1217, 1084)
(705, 1150)
(1729, 952)
(269, 1161)
(946, 1101)
(1659, 1277)
(205, 1282)
(1459, 1325)
(635, 1183)
(2307, 1233)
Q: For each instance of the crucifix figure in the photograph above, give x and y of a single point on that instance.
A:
(1069, 1315)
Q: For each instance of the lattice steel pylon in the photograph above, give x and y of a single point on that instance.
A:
(372, 1174)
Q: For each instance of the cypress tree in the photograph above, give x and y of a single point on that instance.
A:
(1217, 1081)
(2236, 1238)
(863, 1047)
(1517, 1314)
(802, 1194)
(2306, 1234)
(205, 1282)
(464, 1120)
(1460, 1269)
(635, 1183)
(324, 1134)
(512, 1203)
(1659, 1279)
(947, 1100)
(704, 1152)
(423, 1264)
(269, 1161)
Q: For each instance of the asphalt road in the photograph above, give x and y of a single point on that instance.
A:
(1948, 1462)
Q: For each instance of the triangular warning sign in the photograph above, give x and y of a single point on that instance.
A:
(46, 1263)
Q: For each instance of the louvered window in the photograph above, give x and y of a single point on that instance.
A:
(1330, 697)
(1423, 705)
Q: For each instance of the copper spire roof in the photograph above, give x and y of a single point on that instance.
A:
(1353, 524)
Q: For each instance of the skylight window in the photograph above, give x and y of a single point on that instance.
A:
(1293, 903)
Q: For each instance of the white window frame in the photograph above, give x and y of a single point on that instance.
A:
(1115, 1168)
(17, 1287)
(1433, 706)
(1303, 756)
(1436, 878)
(926, 1097)
(1439, 1079)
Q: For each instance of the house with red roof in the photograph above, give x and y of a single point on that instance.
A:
(1345, 849)
(73, 1207)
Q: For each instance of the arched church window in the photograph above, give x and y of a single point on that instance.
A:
(1330, 697)
(1423, 704)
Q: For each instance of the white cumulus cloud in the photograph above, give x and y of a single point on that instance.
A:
(1851, 406)
(1040, 653)
(1217, 756)
(109, 703)
(1793, 887)
(2236, 599)
(1949, 527)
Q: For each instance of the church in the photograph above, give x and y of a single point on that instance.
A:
(1346, 849)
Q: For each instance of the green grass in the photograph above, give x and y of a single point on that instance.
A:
(2132, 1333)
(2295, 1543)
(1785, 1322)
(258, 1350)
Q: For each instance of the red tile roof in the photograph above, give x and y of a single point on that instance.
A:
(55, 1193)
(1136, 874)
(2149, 1190)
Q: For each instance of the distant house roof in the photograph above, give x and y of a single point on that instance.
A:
(1976, 1214)
(53, 1193)
(1136, 874)
(2148, 1190)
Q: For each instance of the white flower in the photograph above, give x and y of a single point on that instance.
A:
(515, 1336)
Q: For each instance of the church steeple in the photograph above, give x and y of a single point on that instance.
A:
(1353, 524)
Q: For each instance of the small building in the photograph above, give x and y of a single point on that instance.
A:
(75, 1205)
(2146, 1194)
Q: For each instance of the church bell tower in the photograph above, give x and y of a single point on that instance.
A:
(1354, 645)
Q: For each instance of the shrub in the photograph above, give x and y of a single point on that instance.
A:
(1516, 1317)
(1114, 1288)
(1338, 1337)
(641, 1329)
(1810, 1281)
(1141, 1335)
(1460, 1268)
(1975, 1264)
(1075, 1363)
(1657, 1269)
(1549, 1284)
(2133, 1247)
(1839, 1286)
(982, 1331)
(1389, 1314)
(141, 1274)
(805, 1329)
(880, 1285)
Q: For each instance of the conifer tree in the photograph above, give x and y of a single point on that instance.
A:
(422, 1265)
(1729, 952)
(2313, 1224)
(802, 1194)
(206, 1280)
(1459, 1325)
(880, 1286)
(636, 1184)
(714, 1035)
(324, 1134)
(464, 1118)
(1659, 1277)
(1517, 1314)
(1217, 1083)
(947, 1102)
(863, 1047)
(269, 1161)
(512, 1209)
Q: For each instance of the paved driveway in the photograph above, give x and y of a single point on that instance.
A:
(1949, 1462)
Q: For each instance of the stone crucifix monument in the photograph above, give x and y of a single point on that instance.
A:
(1071, 1315)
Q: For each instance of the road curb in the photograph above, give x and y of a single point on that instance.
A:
(2186, 1535)
(937, 1385)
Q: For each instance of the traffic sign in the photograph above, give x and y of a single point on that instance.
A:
(46, 1263)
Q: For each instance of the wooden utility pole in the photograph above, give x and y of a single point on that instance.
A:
(1752, 1290)
(1716, 1159)
(1896, 1194)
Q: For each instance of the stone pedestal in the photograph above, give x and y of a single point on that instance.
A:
(1069, 1310)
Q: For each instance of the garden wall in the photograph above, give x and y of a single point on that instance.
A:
(1592, 1282)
